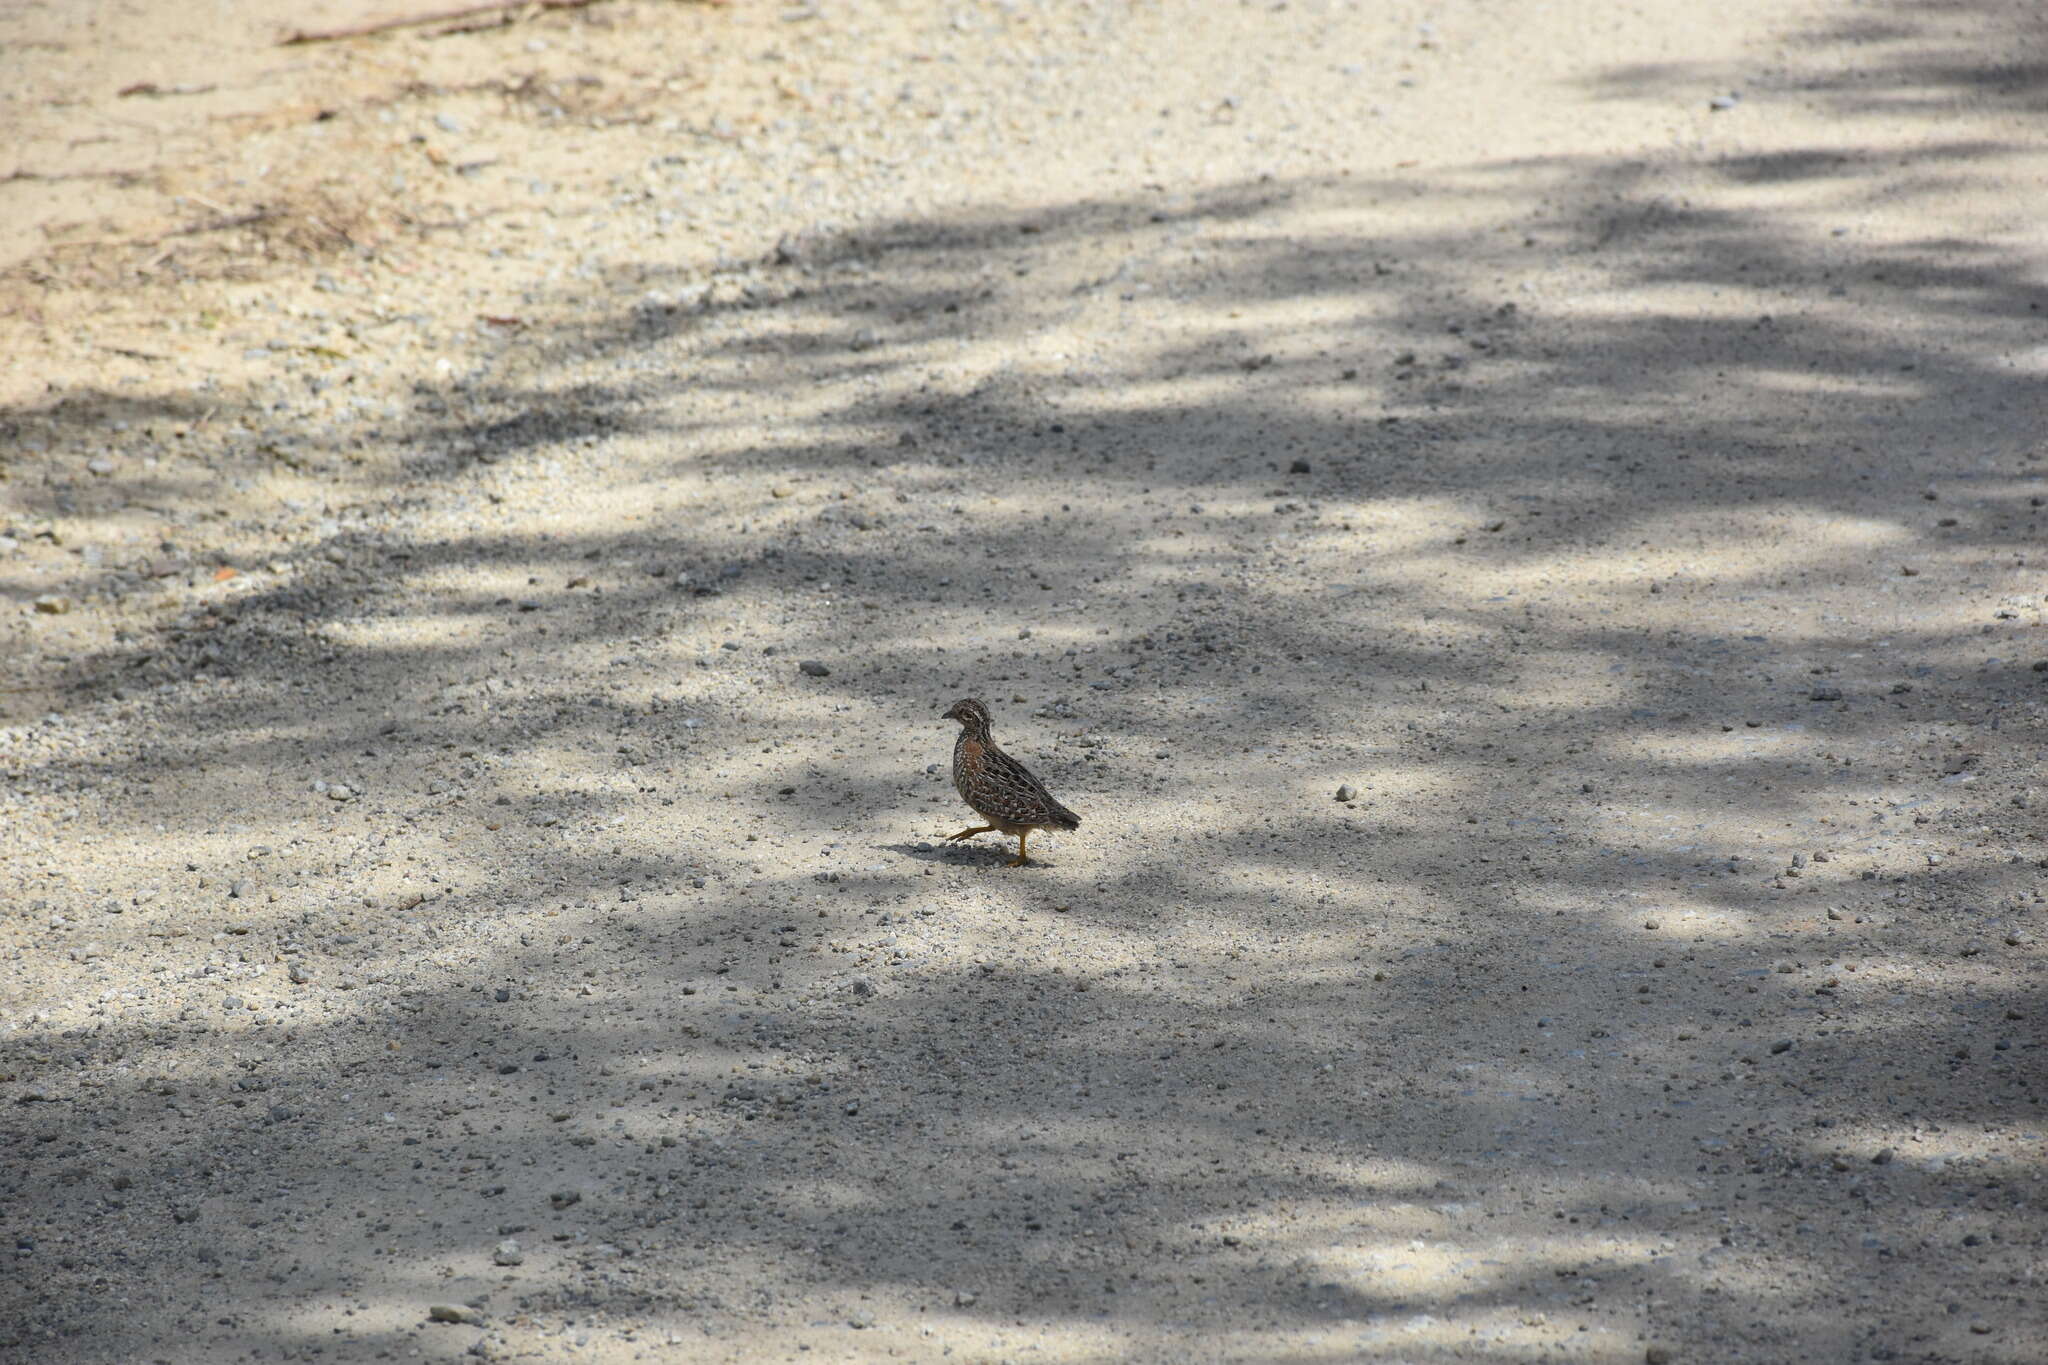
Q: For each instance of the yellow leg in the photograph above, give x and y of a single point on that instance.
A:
(970, 833)
(1020, 859)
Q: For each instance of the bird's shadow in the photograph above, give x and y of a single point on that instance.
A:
(962, 854)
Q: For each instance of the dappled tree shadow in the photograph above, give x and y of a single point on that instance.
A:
(1331, 499)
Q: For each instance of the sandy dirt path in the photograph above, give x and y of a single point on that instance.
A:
(1519, 529)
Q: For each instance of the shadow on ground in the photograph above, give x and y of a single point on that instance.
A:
(1350, 504)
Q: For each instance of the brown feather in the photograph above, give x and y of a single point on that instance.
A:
(999, 788)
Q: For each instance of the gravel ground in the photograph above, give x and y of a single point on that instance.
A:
(1519, 533)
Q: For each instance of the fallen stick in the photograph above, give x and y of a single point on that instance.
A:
(152, 88)
(218, 225)
(333, 35)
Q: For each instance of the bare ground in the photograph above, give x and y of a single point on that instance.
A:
(1606, 444)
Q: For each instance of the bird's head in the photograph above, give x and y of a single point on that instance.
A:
(971, 714)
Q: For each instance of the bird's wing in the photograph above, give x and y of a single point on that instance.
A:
(1010, 791)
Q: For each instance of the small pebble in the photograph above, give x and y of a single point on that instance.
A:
(454, 1312)
(507, 1252)
(1347, 792)
(814, 669)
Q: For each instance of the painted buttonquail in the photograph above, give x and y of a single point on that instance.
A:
(999, 788)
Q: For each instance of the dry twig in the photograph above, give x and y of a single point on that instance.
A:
(364, 30)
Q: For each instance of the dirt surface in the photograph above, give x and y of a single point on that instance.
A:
(1518, 529)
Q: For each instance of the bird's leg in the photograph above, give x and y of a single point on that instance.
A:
(1020, 859)
(970, 833)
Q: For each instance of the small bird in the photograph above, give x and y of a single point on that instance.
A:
(999, 788)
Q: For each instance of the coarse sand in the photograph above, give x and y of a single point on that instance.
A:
(1518, 528)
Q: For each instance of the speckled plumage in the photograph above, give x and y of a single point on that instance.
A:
(1000, 790)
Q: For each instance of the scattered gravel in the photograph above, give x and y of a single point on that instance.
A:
(429, 889)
